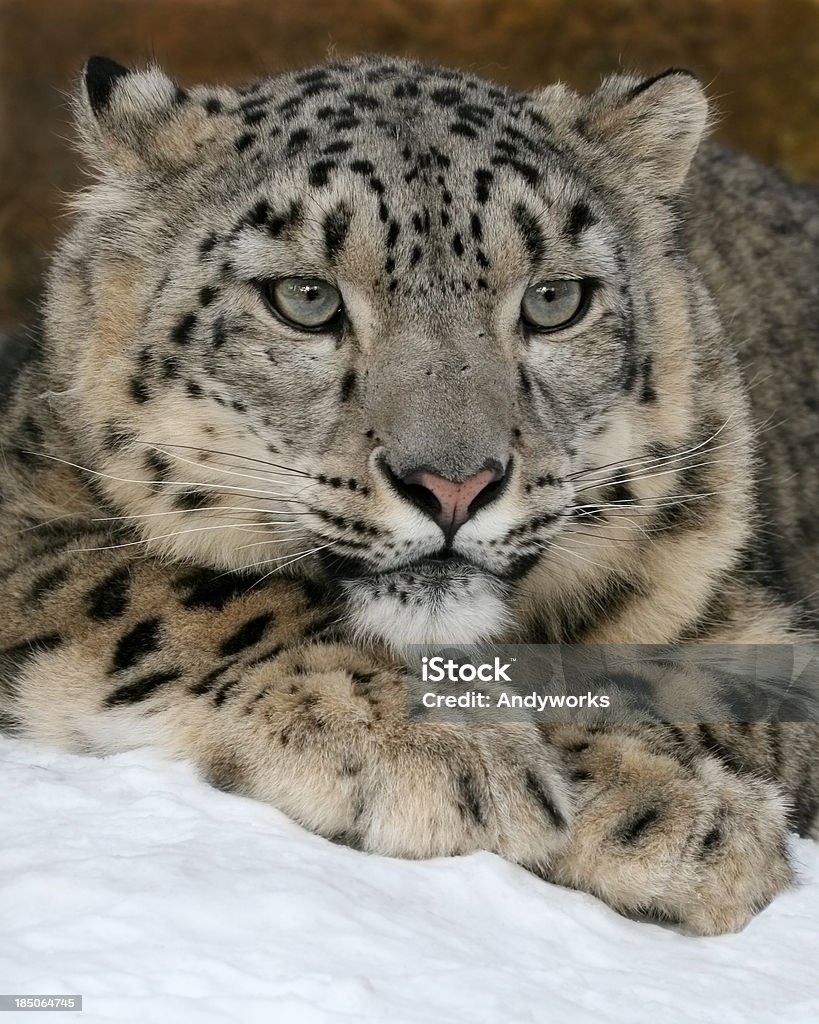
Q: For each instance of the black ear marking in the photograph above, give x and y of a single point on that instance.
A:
(101, 74)
(668, 73)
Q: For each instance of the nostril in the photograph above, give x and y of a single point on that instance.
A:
(420, 496)
(450, 503)
(490, 492)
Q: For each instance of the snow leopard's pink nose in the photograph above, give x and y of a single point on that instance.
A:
(452, 502)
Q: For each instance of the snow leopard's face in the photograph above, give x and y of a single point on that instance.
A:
(379, 322)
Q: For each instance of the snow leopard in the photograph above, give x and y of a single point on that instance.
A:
(379, 353)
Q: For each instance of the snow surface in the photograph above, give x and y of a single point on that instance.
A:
(162, 900)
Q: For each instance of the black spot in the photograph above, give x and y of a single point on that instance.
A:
(319, 172)
(47, 583)
(464, 129)
(457, 245)
(207, 243)
(711, 840)
(483, 181)
(624, 332)
(631, 830)
(227, 775)
(138, 390)
(446, 97)
(259, 214)
(470, 800)
(140, 689)
(620, 492)
(476, 228)
(109, 599)
(441, 159)
(213, 105)
(193, 389)
(580, 218)
(101, 75)
(219, 334)
(311, 76)
(544, 800)
(364, 167)
(529, 228)
(246, 636)
(530, 174)
(116, 437)
(185, 326)
(298, 140)
(336, 228)
(170, 368)
(244, 140)
(363, 101)
(648, 393)
(348, 383)
(189, 501)
(223, 692)
(392, 234)
(137, 644)
(157, 465)
(342, 146)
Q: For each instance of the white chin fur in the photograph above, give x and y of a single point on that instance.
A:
(469, 611)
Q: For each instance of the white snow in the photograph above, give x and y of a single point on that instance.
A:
(161, 900)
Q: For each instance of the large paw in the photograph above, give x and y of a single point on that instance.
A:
(694, 843)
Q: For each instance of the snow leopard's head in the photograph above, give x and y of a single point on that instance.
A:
(387, 324)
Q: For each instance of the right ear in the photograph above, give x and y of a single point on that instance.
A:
(138, 121)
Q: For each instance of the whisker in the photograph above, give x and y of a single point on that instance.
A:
(299, 558)
(251, 492)
(199, 465)
(663, 472)
(568, 551)
(232, 455)
(653, 459)
(240, 527)
(639, 509)
(186, 511)
(267, 561)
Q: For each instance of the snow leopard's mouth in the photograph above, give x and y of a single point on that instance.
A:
(439, 598)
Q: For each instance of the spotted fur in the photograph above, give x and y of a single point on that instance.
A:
(212, 548)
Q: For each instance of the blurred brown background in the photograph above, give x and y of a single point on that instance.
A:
(760, 59)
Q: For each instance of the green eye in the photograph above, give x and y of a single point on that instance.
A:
(306, 302)
(553, 304)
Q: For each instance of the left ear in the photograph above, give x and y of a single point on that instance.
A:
(139, 121)
(651, 127)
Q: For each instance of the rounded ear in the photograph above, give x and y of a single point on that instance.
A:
(650, 128)
(137, 121)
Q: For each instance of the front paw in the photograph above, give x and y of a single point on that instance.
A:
(694, 843)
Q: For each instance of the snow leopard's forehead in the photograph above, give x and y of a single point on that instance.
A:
(423, 118)
(430, 170)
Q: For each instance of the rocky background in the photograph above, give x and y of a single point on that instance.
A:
(759, 58)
